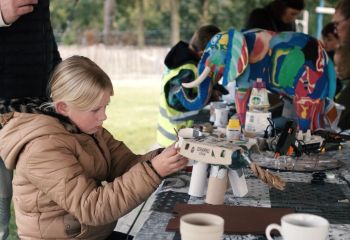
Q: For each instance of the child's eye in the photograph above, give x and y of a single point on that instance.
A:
(98, 109)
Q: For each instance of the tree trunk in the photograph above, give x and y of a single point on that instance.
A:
(140, 24)
(109, 14)
(205, 13)
(175, 21)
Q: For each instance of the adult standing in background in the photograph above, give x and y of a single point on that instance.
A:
(330, 42)
(341, 19)
(342, 67)
(277, 16)
(28, 53)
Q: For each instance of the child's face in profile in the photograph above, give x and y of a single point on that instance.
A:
(90, 121)
(330, 42)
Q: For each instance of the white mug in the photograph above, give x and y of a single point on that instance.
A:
(300, 226)
(201, 226)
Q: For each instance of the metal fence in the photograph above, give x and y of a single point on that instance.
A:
(117, 61)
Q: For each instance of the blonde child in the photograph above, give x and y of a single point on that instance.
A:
(62, 154)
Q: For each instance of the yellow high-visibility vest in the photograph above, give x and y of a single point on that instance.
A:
(168, 117)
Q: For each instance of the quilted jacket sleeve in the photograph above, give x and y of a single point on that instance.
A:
(122, 158)
(52, 164)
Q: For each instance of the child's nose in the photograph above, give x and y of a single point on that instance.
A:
(102, 116)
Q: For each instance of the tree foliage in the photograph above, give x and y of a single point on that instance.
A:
(78, 22)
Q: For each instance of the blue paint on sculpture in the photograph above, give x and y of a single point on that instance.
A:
(291, 64)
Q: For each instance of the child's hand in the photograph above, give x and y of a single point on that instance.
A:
(169, 161)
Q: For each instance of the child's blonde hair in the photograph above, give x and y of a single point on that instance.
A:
(79, 81)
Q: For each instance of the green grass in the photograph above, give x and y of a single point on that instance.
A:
(13, 234)
(132, 118)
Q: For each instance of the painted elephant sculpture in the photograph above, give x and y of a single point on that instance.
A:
(290, 63)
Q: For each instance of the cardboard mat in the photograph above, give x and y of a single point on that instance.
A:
(238, 219)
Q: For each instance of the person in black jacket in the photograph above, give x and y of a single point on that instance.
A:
(277, 16)
(330, 42)
(342, 63)
(28, 54)
(341, 21)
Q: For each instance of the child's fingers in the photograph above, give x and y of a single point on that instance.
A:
(170, 150)
(182, 164)
(179, 163)
(174, 159)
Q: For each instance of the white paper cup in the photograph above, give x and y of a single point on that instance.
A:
(213, 106)
(300, 226)
(221, 117)
(201, 226)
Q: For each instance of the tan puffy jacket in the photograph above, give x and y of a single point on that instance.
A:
(57, 183)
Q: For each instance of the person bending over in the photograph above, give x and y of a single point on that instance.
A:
(181, 67)
(277, 16)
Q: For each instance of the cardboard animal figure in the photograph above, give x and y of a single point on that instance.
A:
(290, 63)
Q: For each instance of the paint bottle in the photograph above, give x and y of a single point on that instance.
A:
(256, 118)
(233, 129)
(259, 100)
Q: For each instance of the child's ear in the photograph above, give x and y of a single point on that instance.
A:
(62, 108)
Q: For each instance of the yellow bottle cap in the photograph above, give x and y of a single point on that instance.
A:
(233, 123)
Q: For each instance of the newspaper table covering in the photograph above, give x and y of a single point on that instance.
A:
(330, 200)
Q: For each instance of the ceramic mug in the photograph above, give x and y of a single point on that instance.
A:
(300, 226)
(201, 226)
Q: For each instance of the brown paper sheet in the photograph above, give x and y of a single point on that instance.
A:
(238, 220)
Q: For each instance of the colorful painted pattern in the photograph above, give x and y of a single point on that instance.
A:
(293, 64)
(290, 63)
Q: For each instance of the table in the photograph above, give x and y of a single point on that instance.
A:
(330, 200)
